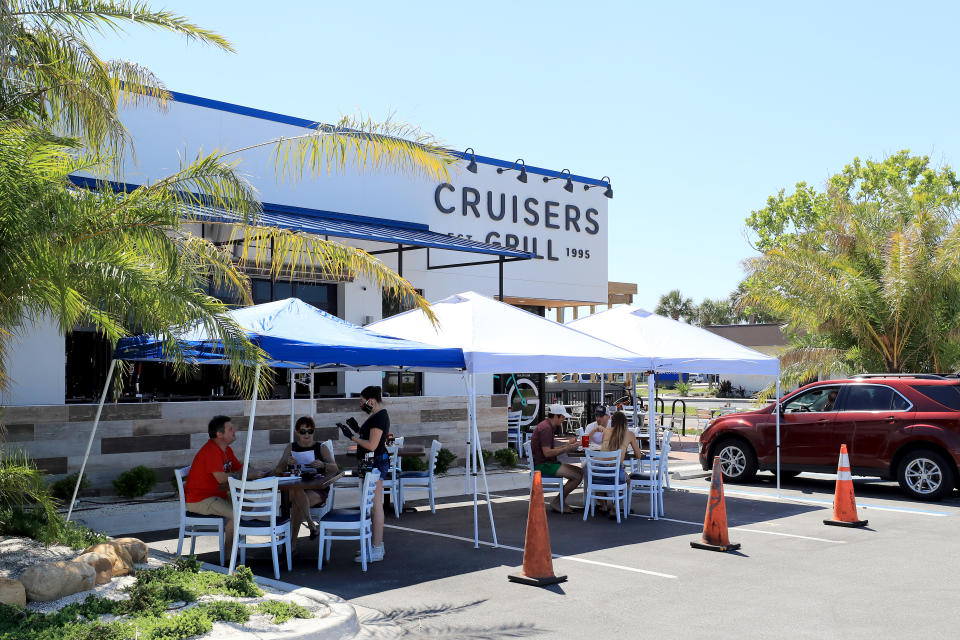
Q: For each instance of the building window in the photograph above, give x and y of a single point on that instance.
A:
(402, 383)
(391, 305)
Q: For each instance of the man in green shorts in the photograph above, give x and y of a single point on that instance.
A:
(545, 452)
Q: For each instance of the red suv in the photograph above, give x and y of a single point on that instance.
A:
(895, 426)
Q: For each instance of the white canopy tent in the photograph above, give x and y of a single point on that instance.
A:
(499, 338)
(678, 347)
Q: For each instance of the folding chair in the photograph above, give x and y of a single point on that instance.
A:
(421, 479)
(547, 482)
(257, 516)
(350, 524)
(651, 482)
(604, 481)
(195, 524)
(514, 435)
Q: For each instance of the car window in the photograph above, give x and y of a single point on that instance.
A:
(819, 399)
(871, 397)
(947, 395)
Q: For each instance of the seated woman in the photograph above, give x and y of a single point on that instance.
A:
(308, 453)
(619, 438)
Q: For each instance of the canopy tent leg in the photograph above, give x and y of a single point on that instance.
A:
(466, 475)
(478, 459)
(473, 457)
(602, 376)
(777, 409)
(652, 418)
(293, 391)
(96, 421)
(313, 404)
(246, 464)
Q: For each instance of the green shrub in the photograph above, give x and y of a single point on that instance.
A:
(507, 457)
(283, 611)
(487, 456)
(187, 564)
(48, 529)
(683, 388)
(135, 482)
(226, 610)
(63, 488)
(241, 584)
(445, 458)
(22, 486)
(413, 463)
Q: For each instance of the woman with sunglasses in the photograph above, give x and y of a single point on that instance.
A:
(316, 456)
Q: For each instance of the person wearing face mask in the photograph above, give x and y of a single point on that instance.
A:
(372, 437)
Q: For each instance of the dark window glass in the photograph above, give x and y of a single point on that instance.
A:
(948, 396)
(868, 397)
(261, 291)
(900, 403)
(819, 399)
(403, 383)
(320, 295)
(391, 305)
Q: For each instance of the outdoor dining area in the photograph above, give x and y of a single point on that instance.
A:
(472, 335)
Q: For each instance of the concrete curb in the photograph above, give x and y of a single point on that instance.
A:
(342, 623)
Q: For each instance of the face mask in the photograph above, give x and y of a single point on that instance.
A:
(365, 407)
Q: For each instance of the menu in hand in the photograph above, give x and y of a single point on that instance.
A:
(303, 458)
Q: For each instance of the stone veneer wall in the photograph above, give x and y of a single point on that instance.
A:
(166, 435)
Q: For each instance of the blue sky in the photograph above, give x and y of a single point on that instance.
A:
(697, 111)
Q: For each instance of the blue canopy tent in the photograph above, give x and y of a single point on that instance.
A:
(294, 335)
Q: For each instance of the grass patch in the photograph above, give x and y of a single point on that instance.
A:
(145, 615)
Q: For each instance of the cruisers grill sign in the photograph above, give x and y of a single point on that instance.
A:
(520, 213)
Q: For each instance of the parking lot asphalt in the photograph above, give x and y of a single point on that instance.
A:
(793, 576)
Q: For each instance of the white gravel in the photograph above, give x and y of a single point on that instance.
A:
(16, 554)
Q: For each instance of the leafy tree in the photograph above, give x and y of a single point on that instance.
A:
(711, 312)
(674, 305)
(866, 273)
(127, 262)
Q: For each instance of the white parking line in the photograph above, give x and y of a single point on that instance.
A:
(773, 498)
(555, 555)
(770, 533)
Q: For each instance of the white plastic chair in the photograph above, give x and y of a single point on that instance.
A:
(651, 482)
(319, 511)
(604, 481)
(547, 482)
(514, 435)
(421, 479)
(391, 486)
(350, 524)
(257, 516)
(195, 524)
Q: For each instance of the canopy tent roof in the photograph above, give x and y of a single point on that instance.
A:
(675, 346)
(299, 336)
(496, 337)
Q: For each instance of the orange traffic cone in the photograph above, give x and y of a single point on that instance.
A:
(715, 523)
(537, 559)
(844, 504)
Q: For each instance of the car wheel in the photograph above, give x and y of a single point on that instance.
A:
(925, 475)
(738, 462)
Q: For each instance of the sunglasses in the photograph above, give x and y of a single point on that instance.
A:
(305, 432)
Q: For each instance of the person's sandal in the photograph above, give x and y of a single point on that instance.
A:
(314, 532)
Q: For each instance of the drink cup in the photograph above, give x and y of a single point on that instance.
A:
(585, 441)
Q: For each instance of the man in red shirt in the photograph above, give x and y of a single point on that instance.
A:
(204, 491)
(545, 451)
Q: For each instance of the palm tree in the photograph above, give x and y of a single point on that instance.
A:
(877, 290)
(127, 262)
(674, 305)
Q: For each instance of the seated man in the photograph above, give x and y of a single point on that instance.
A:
(545, 451)
(214, 463)
(601, 419)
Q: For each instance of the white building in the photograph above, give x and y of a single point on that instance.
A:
(538, 243)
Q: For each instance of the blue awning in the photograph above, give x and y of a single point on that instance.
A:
(332, 223)
(342, 225)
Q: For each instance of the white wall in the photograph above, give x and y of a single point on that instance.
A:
(36, 365)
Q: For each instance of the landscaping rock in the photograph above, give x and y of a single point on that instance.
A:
(100, 563)
(137, 549)
(118, 555)
(54, 580)
(12, 592)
